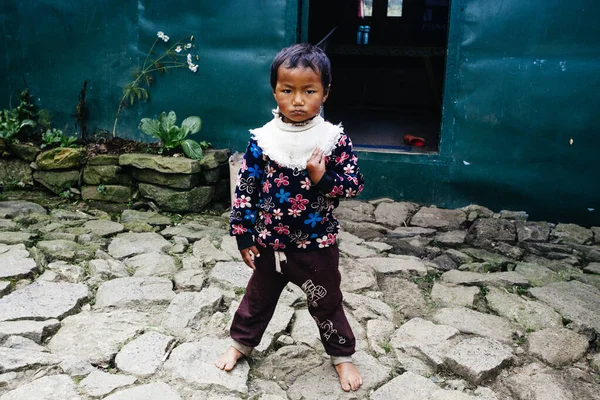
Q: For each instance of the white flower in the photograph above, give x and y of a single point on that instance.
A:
(161, 34)
(178, 49)
(188, 46)
(189, 59)
(191, 37)
(193, 67)
(165, 38)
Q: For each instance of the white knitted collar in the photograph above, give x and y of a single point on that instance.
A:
(291, 145)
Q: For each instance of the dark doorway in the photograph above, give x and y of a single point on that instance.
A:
(387, 82)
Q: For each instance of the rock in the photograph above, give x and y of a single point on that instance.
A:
(15, 267)
(379, 332)
(395, 214)
(571, 233)
(305, 331)
(408, 386)
(190, 280)
(532, 231)
(66, 272)
(103, 228)
(105, 333)
(143, 355)
(193, 365)
(356, 250)
(19, 359)
(103, 270)
(54, 387)
(214, 158)
(208, 253)
(65, 250)
(424, 340)
(188, 308)
(322, 382)
(451, 238)
(145, 217)
(593, 268)
(407, 266)
(193, 200)
(531, 315)
(288, 363)
(7, 225)
(134, 292)
(458, 256)
(537, 275)
(99, 383)
(492, 229)
(167, 165)
(403, 232)
(365, 308)
(355, 211)
(451, 295)
(60, 158)
(106, 175)
(499, 279)
(590, 279)
(277, 326)
(4, 288)
(150, 391)
(364, 230)
(132, 244)
(193, 232)
(473, 322)
(152, 264)
(432, 217)
(405, 296)
(514, 215)
(21, 343)
(536, 383)
(57, 181)
(37, 331)
(478, 358)
(12, 238)
(176, 181)
(76, 366)
(557, 346)
(230, 274)
(444, 263)
(575, 301)
(14, 208)
(357, 275)
(43, 300)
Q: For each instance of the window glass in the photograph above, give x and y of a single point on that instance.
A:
(394, 8)
(365, 8)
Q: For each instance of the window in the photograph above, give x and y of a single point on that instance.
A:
(394, 8)
(365, 8)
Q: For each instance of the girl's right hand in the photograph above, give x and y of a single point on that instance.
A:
(249, 254)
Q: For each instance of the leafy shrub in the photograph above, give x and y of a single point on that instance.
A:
(172, 136)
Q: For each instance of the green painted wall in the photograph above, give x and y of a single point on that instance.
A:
(521, 82)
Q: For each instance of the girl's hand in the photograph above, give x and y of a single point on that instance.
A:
(316, 165)
(248, 255)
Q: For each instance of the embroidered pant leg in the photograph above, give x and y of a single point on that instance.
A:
(317, 274)
(259, 302)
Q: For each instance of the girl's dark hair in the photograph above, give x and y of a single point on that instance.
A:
(302, 55)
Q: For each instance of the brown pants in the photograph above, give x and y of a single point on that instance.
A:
(316, 273)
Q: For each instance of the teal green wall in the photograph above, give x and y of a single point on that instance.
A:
(57, 44)
(522, 80)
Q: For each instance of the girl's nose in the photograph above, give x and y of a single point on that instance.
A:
(298, 100)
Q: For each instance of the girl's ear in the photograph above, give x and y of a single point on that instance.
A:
(326, 93)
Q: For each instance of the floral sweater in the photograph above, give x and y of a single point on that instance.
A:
(276, 204)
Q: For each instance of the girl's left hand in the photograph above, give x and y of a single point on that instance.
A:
(316, 165)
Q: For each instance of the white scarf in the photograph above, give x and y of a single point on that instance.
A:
(292, 145)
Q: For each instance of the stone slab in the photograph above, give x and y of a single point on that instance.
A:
(478, 358)
(474, 322)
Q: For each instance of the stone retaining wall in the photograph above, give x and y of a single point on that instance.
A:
(176, 184)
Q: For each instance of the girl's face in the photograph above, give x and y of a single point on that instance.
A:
(299, 93)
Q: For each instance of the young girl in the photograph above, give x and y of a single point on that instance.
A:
(295, 169)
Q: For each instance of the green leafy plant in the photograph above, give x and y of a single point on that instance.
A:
(176, 56)
(172, 136)
(11, 124)
(56, 136)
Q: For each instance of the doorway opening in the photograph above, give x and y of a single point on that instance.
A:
(388, 62)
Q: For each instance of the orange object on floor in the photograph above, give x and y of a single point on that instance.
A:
(414, 140)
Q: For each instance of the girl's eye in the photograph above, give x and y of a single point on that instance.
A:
(286, 91)
(311, 91)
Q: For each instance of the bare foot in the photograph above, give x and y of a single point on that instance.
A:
(349, 376)
(228, 359)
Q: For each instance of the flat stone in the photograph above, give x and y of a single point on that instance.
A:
(492, 229)
(356, 250)
(193, 200)
(167, 165)
(357, 275)
(143, 355)
(356, 211)
(60, 158)
(231, 274)
(403, 232)
(458, 256)
(571, 233)
(103, 159)
(439, 218)
(499, 279)
(194, 231)
(100, 383)
(12, 208)
(408, 386)
(104, 270)
(277, 326)
(66, 271)
(593, 268)
(531, 315)
(205, 250)
(146, 217)
(557, 346)
(53, 387)
(289, 362)
(37, 331)
(4, 288)
(135, 292)
(190, 280)
(57, 181)
(379, 334)
(514, 215)
(590, 279)
(106, 175)
(444, 263)
(407, 266)
(16, 267)
(132, 244)
(537, 383)
(478, 358)
(424, 340)
(380, 247)
(150, 391)
(105, 334)
(188, 308)
(537, 275)
(403, 295)
(575, 301)
(451, 238)
(305, 331)
(474, 322)
(365, 308)
(152, 264)
(103, 228)
(452, 295)
(7, 225)
(43, 300)
(532, 231)
(21, 343)
(20, 360)
(177, 181)
(10, 238)
(192, 364)
(322, 382)
(364, 230)
(395, 214)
